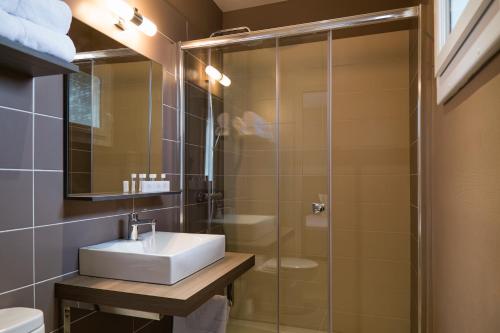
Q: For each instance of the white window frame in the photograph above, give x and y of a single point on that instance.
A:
(460, 53)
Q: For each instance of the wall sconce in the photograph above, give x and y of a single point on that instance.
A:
(216, 75)
(128, 14)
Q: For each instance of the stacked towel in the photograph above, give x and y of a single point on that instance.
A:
(54, 15)
(38, 24)
(211, 317)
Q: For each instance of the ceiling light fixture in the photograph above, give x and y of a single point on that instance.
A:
(126, 13)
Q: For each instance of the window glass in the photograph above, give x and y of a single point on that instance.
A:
(456, 9)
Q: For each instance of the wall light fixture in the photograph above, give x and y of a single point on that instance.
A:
(127, 14)
(216, 75)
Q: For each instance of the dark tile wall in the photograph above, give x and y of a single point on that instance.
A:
(40, 231)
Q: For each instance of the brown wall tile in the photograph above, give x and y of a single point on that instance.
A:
(50, 206)
(16, 259)
(56, 247)
(48, 143)
(16, 199)
(16, 139)
(169, 89)
(21, 297)
(171, 157)
(51, 306)
(16, 91)
(170, 123)
(49, 95)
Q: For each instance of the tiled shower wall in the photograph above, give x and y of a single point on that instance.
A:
(40, 231)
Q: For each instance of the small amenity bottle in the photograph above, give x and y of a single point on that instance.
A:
(133, 181)
(142, 179)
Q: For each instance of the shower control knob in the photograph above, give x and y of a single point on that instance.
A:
(317, 207)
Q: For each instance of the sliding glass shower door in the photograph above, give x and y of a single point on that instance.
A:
(257, 178)
(303, 182)
(305, 161)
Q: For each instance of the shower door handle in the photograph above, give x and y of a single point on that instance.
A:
(318, 208)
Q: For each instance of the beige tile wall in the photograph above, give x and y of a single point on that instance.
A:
(371, 188)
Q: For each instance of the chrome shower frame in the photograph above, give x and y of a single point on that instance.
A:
(302, 29)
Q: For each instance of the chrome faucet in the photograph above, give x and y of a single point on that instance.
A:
(134, 223)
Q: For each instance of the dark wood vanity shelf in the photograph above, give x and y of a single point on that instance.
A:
(116, 196)
(154, 301)
(22, 59)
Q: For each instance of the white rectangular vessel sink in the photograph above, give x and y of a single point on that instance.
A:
(161, 257)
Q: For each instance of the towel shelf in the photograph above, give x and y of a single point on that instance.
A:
(21, 59)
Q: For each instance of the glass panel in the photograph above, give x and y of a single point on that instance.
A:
(303, 164)
(371, 183)
(231, 168)
(456, 9)
(247, 127)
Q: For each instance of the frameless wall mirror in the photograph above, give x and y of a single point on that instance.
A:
(113, 110)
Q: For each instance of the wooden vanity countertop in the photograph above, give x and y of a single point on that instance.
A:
(179, 299)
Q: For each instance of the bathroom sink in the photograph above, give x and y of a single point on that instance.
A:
(245, 228)
(161, 257)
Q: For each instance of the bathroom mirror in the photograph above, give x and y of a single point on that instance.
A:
(113, 116)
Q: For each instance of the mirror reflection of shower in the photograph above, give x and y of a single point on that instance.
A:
(226, 125)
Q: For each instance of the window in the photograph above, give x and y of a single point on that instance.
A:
(467, 35)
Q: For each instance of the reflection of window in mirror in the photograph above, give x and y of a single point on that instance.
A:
(84, 96)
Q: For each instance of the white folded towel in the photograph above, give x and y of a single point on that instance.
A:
(211, 317)
(54, 15)
(36, 37)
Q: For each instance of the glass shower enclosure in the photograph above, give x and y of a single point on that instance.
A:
(301, 156)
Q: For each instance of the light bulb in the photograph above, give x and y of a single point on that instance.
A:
(213, 72)
(148, 27)
(225, 81)
(121, 8)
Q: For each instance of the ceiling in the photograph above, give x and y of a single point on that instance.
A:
(229, 5)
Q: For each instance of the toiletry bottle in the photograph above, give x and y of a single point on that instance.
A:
(152, 182)
(142, 179)
(165, 185)
(133, 181)
(125, 186)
